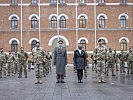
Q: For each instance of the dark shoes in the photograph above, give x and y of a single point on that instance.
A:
(63, 82)
(60, 81)
(79, 81)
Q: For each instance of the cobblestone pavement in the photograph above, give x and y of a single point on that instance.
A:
(118, 87)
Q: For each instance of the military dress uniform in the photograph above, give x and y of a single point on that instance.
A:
(38, 59)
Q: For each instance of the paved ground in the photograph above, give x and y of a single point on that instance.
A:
(118, 87)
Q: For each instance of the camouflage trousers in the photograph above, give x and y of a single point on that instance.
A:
(130, 67)
(101, 70)
(38, 70)
(10, 68)
(22, 67)
(3, 70)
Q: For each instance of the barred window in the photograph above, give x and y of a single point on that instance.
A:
(82, 22)
(83, 43)
(54, 22)
(62, 22)
(123, 21)
(33, 44)
(13, 1)
(101, 1)
(14, 46)
(14, 23)
(81, 1)
(53, 1)
(101, 22)
(122, 1)
(33, 1)
(123, 44)
(34, 22)
(62, 1)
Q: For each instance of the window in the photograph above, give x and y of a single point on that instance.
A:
(123, 44)
(62, 1)
(62, 22)
(34, 22)
(33, 1)
(122, 1)
(101, 22)
(82, 1)
(33, 44)
(14, 46)
(82, 22)
(13, 1)
(83, 43)
(14, 23)
(53, 1)
(101, 1)
(54, 22)
(123, 21)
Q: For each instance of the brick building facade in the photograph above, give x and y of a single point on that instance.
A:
(23, 22)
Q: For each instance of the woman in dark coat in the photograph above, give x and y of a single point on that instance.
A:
(79, 62)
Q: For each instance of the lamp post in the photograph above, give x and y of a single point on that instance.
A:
(95, 33)
(21, 36)
(57, 7)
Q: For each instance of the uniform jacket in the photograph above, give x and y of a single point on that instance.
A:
(79, 59)
(60, 60)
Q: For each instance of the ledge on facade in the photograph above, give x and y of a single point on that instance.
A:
(123, 4)
(101, 4)
(62, 4)
(53, 4)
(33, 4)
(82, 4)
(14, 4)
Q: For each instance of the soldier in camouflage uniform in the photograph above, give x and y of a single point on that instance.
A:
(116, 60)
(3, 58)
(23, 56)
(38, 59)
(16, 63)
(122, 61)
(10, 67)
(48, 57)
(110, 61)
(100, 55)
(130, 61)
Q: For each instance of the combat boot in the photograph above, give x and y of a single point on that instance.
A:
(37, 81)
(40, 80)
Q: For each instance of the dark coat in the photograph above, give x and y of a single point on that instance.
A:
(60, 60)
(79, 59)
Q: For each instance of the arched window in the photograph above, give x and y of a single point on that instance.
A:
(54, 22)
(101, 1)
(123, 44)
(62, 22)
(82, 22)
(62, 1)
(101, 22)
(33, 44)
(34, 22)
(33, 1)
(83, 43)
(53, 1)
(13, 1)
(14, 23)
(122, 1)
(14, 46)
(123, 21)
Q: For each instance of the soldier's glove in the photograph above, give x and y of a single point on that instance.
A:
(32, 63)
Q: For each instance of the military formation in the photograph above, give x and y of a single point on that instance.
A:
(106, 61)
(16, 63)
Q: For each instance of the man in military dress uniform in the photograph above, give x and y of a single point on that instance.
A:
(60, 60)
(3, 59)
(100, 55)
(23, 56)
(38, 59)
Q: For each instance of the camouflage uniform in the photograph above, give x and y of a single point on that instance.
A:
(110, 61)
(38, 59)
(16, 63)
(116, 60)
(23, 56)
(48, 57)
(3, 58)
(122, 61)
(130, 61)
(100, 55)
(10, 67)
